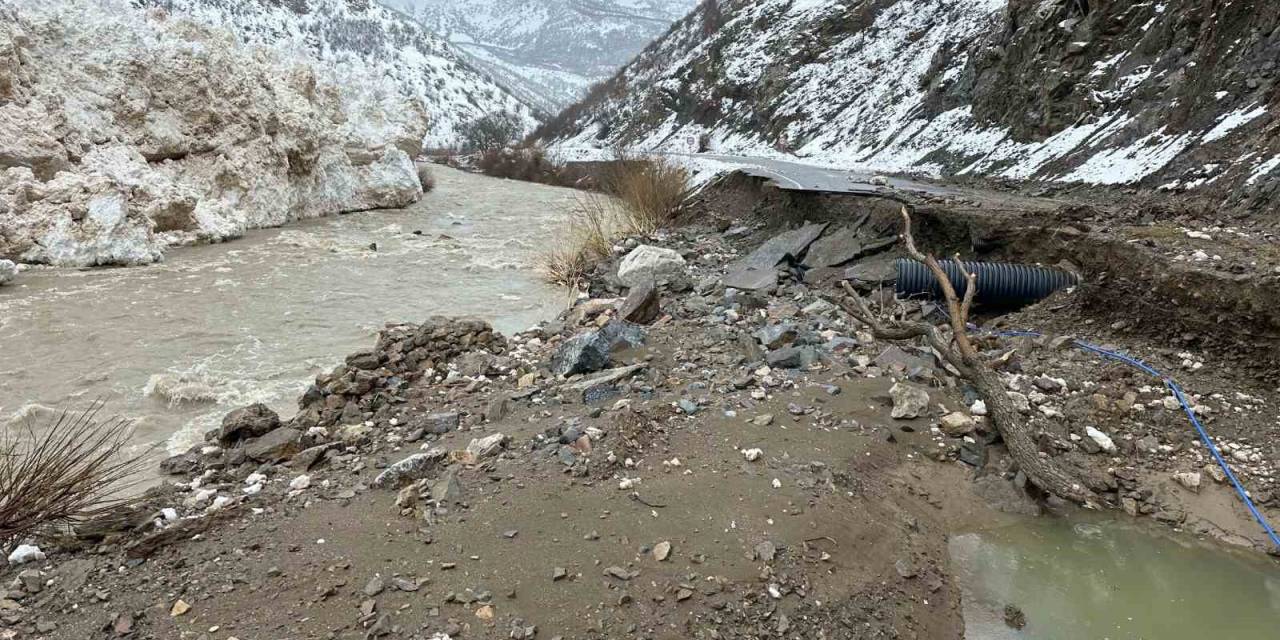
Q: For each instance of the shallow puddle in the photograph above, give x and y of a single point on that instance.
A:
(1112, 581)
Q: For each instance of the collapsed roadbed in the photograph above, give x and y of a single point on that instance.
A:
(678, 457)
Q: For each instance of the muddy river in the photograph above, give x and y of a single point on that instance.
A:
(176, 345)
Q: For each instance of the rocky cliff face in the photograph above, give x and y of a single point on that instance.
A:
(374, 54)
(122, 133)
(548, 51)
(1179, 95)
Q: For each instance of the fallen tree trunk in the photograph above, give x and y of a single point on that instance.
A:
(958, 350)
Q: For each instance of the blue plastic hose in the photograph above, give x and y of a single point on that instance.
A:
(1186, 408)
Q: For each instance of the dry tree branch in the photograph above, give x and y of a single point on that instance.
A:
(959, 351)
(71, 471)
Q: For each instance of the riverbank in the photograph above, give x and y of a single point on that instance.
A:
(735, 463)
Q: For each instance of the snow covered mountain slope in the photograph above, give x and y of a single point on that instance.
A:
(1173, 94)
(371, 52)
(123, 132)
(548, 51)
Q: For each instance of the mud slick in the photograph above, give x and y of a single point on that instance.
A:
(749, 464)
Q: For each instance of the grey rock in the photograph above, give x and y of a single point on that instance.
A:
(247, 422)
(375, 586)
(499, 407)
(785, 358)
(447, 490)
(766, 551)
(758, 270)
(590, 389)
(365, 360)
(583, 353)
(775, 336)
(689, 407)
(281, 444)
(1003, 495)
(642, 306)
(442, 423)
(415, 467)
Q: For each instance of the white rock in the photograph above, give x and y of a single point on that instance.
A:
(978, 408)
(1103, 440)
(647, 263)
(25, 553)
(255, 478)
(908, 401)
(777, 484)
(8, 271)
(1189, 479)
(486, 446)
(169, 514)
(299, 483)
(752, 454)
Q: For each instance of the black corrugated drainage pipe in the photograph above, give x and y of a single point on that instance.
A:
(999, 283)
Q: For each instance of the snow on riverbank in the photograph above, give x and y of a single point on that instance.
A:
(124, 132)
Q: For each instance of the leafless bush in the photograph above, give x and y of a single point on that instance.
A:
(593, 223)
(650, 189)
(426, 179)
(72, 470)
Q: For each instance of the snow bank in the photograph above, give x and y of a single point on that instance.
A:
(123, 132)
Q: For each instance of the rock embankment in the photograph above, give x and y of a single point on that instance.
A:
(122, 133)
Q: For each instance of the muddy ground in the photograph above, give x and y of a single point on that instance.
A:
(704, 493)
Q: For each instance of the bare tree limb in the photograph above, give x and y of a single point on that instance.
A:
(959, 351)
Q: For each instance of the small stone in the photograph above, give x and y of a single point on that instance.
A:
(485, 613)
(25, 553)
(179, 608)
(662, 551)
(752, 454)
(766, 551)
(442, 423)
(299, 483)
(908, 401)
(1189, 479)
(763, 420)
(487, 446)
(1101, 439)
(558, 574)
(956, 424)
(620, 573)
(375, 586)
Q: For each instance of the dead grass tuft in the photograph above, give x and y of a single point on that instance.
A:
(73, 470)
(640, 197)
(426, 179)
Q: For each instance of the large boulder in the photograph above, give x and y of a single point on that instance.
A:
(411, 469)
(588, 352)
(8, 271)
(650, 264)
(247, 422)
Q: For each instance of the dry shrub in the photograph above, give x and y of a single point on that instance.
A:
(531, 164)
(426, 179)
(650, 189)
(593, 223)
(640, 197)
(57, 477)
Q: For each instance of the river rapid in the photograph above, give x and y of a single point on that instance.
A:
(174, 346)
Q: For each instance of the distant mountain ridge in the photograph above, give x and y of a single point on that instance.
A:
(1178, 95)
(548, 51)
